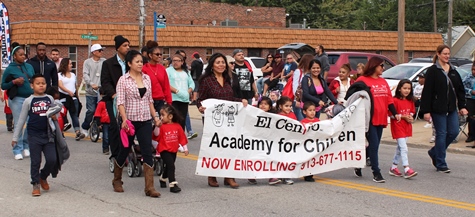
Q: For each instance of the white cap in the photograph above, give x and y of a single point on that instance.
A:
(95, 47)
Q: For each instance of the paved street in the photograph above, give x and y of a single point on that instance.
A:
(84, 188)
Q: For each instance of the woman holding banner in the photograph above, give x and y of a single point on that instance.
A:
(215, 83)
(382, 100)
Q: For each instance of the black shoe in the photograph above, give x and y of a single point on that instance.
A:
(432, 158)
(309, 178)
(105, 151)
(368, 162)
(175, 188)
(443, 170)
(79, 136)
(67, 126)
(358, 172)
(378, 178)
(470, 139)
(193, 102)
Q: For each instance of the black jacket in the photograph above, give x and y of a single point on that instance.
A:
(110, 74)
(50, 70)
(310, 94)
(196, 69)
(439, 97)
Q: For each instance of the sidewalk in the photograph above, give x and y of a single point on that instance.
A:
(420, 136)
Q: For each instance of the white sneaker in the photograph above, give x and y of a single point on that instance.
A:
(18, 157)
(85, 132)
(428, 125)
(26, 153)
(432, 139)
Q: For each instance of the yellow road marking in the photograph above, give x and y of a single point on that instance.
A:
(367, 188)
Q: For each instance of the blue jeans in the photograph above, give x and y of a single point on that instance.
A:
(446, 130)
(91, 104)
(374, 138)
(401, 152)
(105, 136)
(75, 116)
(260, 84)
(297, 110)
(22, 143)
(188, 123)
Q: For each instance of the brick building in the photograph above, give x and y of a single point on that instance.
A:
(259, 30)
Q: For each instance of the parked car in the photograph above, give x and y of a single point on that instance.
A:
(337, 59)
(454, 61)
(411, 71)
(256, 64)
(297, 49)
(465, 69)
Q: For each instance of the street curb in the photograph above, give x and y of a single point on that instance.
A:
(427, 146)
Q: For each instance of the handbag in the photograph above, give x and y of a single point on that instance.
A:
(287, 91)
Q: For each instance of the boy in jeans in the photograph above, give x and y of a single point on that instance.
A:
(34, 109)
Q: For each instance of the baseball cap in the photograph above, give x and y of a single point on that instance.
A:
(95, 47)
(235, 51)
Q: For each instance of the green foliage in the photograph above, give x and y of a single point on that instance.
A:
(369, 14)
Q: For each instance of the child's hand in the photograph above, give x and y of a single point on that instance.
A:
(54, 118)
(186, 153)
(14, 143)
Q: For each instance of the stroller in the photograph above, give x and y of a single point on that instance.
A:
(135, 161)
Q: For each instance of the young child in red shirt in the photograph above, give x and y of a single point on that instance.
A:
(61, 116)
(309, 110)
(401, 130)
(284, 108)
(170, 137)
(101, 116)
(8, 112)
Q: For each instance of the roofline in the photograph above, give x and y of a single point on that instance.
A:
(253, 27)
(466, 29)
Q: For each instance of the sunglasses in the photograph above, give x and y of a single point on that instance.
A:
(232, 63)
(382, 65)
(157, 54)
(270, 57)
(289, 58)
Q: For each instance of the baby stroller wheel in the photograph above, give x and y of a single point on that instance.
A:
(138, 169)
(131, 167)
(158, 166)
(111, 165)
(94, 132)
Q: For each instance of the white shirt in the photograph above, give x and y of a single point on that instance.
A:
(68, 83)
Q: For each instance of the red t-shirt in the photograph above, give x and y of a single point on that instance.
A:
(170, 137)
(101, 112)
(306, 120)
(402, 129)
(289, 115)
(382, 98)
(160, 83)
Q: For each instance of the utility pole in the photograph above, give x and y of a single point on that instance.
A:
(449, 27)
(400, 30)
(141, 23)
(434, 14)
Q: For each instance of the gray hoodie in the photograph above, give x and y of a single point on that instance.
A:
(92, 75)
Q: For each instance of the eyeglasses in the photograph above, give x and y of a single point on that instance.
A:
(157, 54)
(177, 61)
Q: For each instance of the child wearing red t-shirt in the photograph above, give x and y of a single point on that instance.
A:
(61, 116)
(309, 110)
(8, 112)
(284, 108)
(170, 137)
(401, 130)
(101, 117)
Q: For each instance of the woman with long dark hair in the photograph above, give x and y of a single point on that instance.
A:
(266, 71)
(216, 83)
(382, 100)
(135, 102)
(67, 84)
(16, 80)
(443, 98)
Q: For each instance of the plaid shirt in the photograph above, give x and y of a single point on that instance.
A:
(209, 87)
(136, 108)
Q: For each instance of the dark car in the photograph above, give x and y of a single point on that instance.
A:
(297, 49)
(337, 59)
(454, 61)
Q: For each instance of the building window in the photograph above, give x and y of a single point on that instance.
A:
(272, 51)
(209, 52)
(73, 56)
(254, 52)
(165, 52)
(410, 55)
(379, 52)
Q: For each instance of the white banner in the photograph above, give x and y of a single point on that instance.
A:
(248, 143)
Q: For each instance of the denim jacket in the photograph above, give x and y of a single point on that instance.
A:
(468, 84)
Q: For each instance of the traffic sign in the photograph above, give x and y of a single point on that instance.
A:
(160, 21)
(89, 37)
